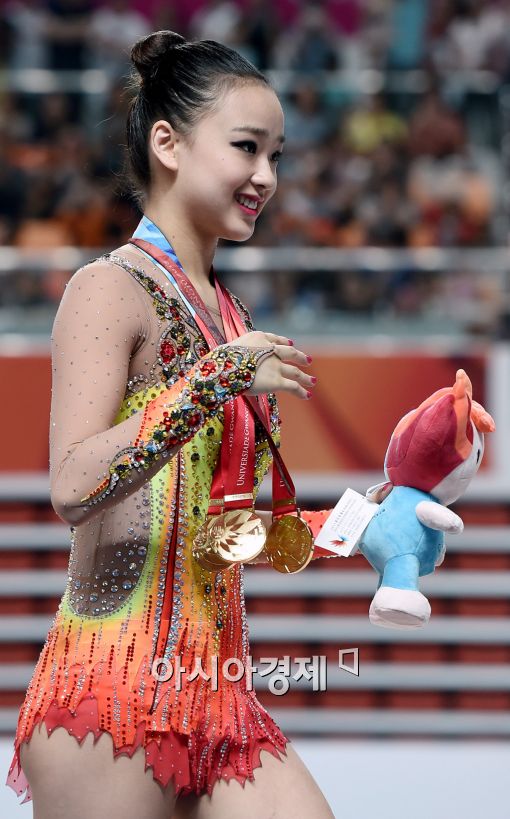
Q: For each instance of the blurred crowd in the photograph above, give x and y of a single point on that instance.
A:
(370, 159)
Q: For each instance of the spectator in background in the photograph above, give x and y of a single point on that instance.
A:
(468, 40)
(434, 128)
(25, 21)
(408, 20)
(12, 193)
(54, 112)
(387, 216)
(346, 16)
(371, 123)
(17, 121)
(112, 31)
(349, 177)
(66, 29)
(261, 27)
(375, 36)
(309, 45)
(455, 197)
(216, 20)
(308, 121)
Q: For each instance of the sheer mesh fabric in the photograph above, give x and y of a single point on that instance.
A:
(125, 351)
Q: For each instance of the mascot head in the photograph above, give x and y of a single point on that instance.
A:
(438, 447)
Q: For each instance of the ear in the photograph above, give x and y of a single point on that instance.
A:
(462, 385)
(164, 141)
(481, 418)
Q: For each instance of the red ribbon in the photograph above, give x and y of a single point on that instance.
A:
(225, 480)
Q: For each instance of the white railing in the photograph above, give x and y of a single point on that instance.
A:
(291, 259)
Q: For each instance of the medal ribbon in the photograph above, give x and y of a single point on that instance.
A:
(284, 500)
(284, 494)
(233, 479)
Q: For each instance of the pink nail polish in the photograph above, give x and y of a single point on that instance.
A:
(309, 359)
(291, 342)
(308, 394)
(314, 380)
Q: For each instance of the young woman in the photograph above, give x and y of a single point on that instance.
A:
(147, 353)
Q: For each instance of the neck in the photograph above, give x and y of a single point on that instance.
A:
(194, 251)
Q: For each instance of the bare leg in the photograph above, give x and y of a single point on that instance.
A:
(72, 781)
(280, 789)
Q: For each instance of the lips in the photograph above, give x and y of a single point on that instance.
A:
(249, 201)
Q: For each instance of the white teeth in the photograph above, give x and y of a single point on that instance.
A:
(249, 203)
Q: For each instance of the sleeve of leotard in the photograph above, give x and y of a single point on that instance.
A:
(94, 462)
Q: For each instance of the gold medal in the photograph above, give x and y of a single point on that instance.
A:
(207, 560)
(204, 549)
(289, 544)
(239, 535)
(232, 537)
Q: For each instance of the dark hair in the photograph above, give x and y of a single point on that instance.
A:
(177, 80)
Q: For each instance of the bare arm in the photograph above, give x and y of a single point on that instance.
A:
(95, 463)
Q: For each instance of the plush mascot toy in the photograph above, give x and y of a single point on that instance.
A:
(433, 454)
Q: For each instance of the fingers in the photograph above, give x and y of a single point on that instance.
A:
(294, 387)
(274, 339)
(297, 381)
(281, 368)
(292, 355)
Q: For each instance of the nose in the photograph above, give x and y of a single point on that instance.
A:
(264, 175)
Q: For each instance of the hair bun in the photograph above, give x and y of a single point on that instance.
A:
(148, 53)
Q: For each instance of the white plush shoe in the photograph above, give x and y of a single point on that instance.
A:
(399, 608)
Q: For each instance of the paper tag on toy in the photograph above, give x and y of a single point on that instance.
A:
(342, 530)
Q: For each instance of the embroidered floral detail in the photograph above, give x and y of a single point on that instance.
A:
(178, 350)
(243, 310)
(223, 373)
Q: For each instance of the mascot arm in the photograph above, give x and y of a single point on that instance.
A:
(437, 516)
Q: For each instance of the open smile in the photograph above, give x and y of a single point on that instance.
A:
(247, 205)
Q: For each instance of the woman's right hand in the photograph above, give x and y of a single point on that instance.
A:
(280, 371)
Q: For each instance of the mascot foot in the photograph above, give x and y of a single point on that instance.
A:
(399, 608)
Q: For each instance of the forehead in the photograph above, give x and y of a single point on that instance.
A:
(254, 105)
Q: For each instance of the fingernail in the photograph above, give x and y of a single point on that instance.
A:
(314, 380)
(309, 359)
(291, 342)
(308, 394)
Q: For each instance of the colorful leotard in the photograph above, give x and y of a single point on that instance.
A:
(135, 431)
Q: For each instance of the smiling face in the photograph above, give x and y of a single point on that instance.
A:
(224, 171)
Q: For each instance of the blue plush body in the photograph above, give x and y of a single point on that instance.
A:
(398, 546)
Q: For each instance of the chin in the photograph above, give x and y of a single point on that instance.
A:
(238, 235)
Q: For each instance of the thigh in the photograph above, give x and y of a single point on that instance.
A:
(281, 788)
(73, 781)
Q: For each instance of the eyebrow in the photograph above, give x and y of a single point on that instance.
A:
(252, 129)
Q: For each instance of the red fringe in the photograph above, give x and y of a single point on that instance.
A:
(194, 762)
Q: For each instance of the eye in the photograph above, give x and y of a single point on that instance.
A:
(248, 146)
(252, 146)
